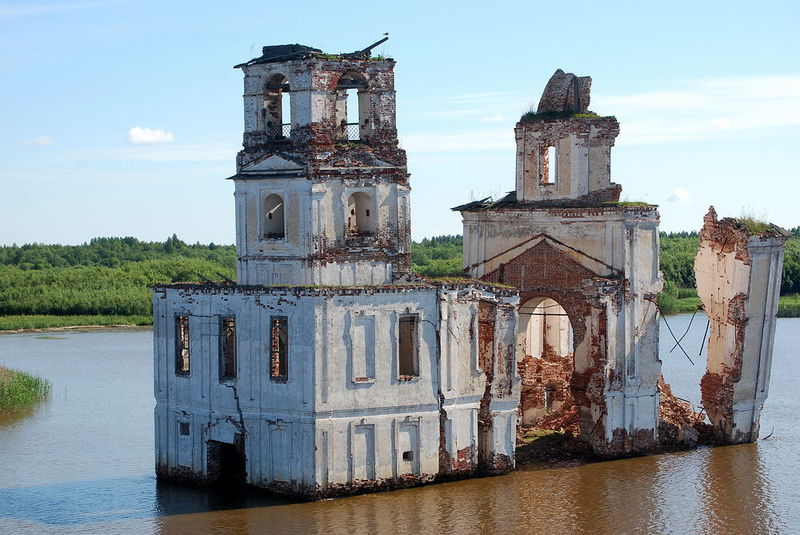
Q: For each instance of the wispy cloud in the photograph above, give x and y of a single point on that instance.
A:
(695, 110)
(484, 140)
(201, 152)
(40, 141)
(705, 109)
(27, 10)
(496, 118)
(139, 135)
(680, 196)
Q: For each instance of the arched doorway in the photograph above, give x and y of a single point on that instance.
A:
(546, 333)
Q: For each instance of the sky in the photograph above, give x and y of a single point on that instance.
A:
(123, 117)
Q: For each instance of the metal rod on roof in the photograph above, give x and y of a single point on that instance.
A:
(376, 43)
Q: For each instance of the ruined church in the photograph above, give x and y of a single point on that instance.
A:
(329, 368)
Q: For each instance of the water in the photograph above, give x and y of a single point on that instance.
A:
(82, 462)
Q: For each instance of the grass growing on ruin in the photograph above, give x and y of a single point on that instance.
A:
(532, 115)
(19, 322)
(20, 390)
(753, 226)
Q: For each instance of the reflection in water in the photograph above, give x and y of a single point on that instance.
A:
(82, 463)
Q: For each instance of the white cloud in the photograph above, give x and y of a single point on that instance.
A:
(680, 196)
(706, 109)
(140, 135)
(40, 141)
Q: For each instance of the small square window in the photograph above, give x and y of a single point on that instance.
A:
(184, 428)
(408, 455)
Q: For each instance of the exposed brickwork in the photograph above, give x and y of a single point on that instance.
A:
(544, 271)
(565, 92)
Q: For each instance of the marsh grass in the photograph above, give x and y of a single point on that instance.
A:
(20, 390)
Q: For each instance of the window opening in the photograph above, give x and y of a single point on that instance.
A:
(486, 326)
(279, 348)
(274, 227)
(227, 348)
(352, 107)
(184, 428)
(276, 112)
(182, 344)
(549, 165)
(408, 358)
(360, 222)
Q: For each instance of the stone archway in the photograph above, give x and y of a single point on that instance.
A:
(545, 332)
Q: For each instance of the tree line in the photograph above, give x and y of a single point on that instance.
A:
(111, 276)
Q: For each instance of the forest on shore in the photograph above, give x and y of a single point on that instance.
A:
(106, 281)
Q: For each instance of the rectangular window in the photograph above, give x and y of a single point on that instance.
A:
(408, 347)
(278, 348)
(184, 428)
(227, 348)
(182, 345)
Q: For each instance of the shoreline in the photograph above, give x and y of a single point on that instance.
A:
(78, 328)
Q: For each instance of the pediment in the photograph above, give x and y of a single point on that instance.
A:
(272, 164)
(544, 261)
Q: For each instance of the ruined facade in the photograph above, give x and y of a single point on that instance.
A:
(329, 369)
(586, 267)
(738, 271)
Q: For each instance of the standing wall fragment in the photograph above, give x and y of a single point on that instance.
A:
(738, 272)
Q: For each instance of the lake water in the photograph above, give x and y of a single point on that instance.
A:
(82, 462)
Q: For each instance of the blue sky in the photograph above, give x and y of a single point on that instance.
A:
(122, 118)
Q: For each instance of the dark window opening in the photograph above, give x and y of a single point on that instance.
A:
(182, 344)
(274, 227)
(227, 348)
(408, 347)
(279, 348)
(408, 455)
(184, 428)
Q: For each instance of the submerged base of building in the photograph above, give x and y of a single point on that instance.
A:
(322, 391)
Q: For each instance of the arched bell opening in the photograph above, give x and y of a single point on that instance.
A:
(352, 107)
(275, 116)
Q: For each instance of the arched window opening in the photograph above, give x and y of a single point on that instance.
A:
(549, 332)
(548, 364)
(276, 110)
(352, 107)
(361, 220)
(273, 227)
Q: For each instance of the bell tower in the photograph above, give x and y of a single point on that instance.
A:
(322, 192)
(564, 150)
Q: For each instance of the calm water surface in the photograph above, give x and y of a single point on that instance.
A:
(82, 462)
